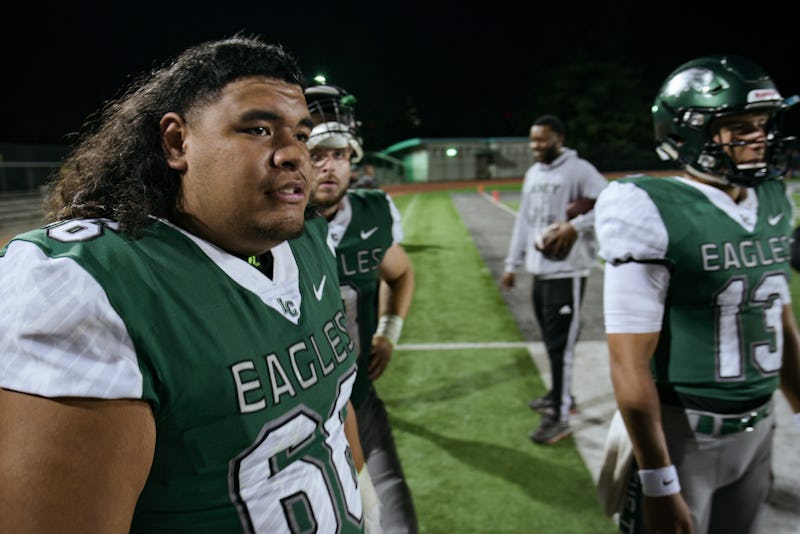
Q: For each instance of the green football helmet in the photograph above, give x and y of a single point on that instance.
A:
(710, 87)
(335, 125)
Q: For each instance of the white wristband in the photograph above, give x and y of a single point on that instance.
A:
(797, 419)
(370, 502)
(659, 482)
(390, 326)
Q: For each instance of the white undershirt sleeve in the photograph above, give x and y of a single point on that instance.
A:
(634, 296)
(397, 221)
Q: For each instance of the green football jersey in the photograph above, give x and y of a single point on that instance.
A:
(722, 335)
(362, 232)
(248, 377)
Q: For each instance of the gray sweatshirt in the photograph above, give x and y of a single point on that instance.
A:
(546, 192)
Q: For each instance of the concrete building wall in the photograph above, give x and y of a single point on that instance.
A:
(449, 159)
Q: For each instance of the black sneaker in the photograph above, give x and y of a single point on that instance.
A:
(546, 405)
(541, 404)
(550, 431)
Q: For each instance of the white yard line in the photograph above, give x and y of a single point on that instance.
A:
(501, 205)
(455, 346)
(409, 208)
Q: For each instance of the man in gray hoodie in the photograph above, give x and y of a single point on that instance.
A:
(554, 236)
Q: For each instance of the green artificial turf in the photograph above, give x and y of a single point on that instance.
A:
(455, 299)
(460, 416)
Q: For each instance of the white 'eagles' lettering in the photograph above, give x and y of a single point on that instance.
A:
(747, 253)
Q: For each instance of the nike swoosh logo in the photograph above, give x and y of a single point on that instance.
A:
(318, 290)
(365, 235)
(775, 219)
(668, 482)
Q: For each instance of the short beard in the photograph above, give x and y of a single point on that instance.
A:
(550, 155)
(323, 205)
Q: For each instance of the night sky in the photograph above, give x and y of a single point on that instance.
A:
(439, 61)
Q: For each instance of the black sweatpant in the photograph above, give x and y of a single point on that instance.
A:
(556, 304)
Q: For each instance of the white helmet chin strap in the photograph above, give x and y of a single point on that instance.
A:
(358, 152)
(706, 177)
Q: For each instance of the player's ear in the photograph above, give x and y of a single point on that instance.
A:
(173, 135)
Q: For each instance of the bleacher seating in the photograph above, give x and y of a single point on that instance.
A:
(19, 212)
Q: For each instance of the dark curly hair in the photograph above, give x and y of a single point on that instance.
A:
(118, 168)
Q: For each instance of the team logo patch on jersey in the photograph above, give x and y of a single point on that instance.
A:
(288, 308)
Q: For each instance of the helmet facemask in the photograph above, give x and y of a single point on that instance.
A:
(702, 95)
(333, 112)
(716, 158)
